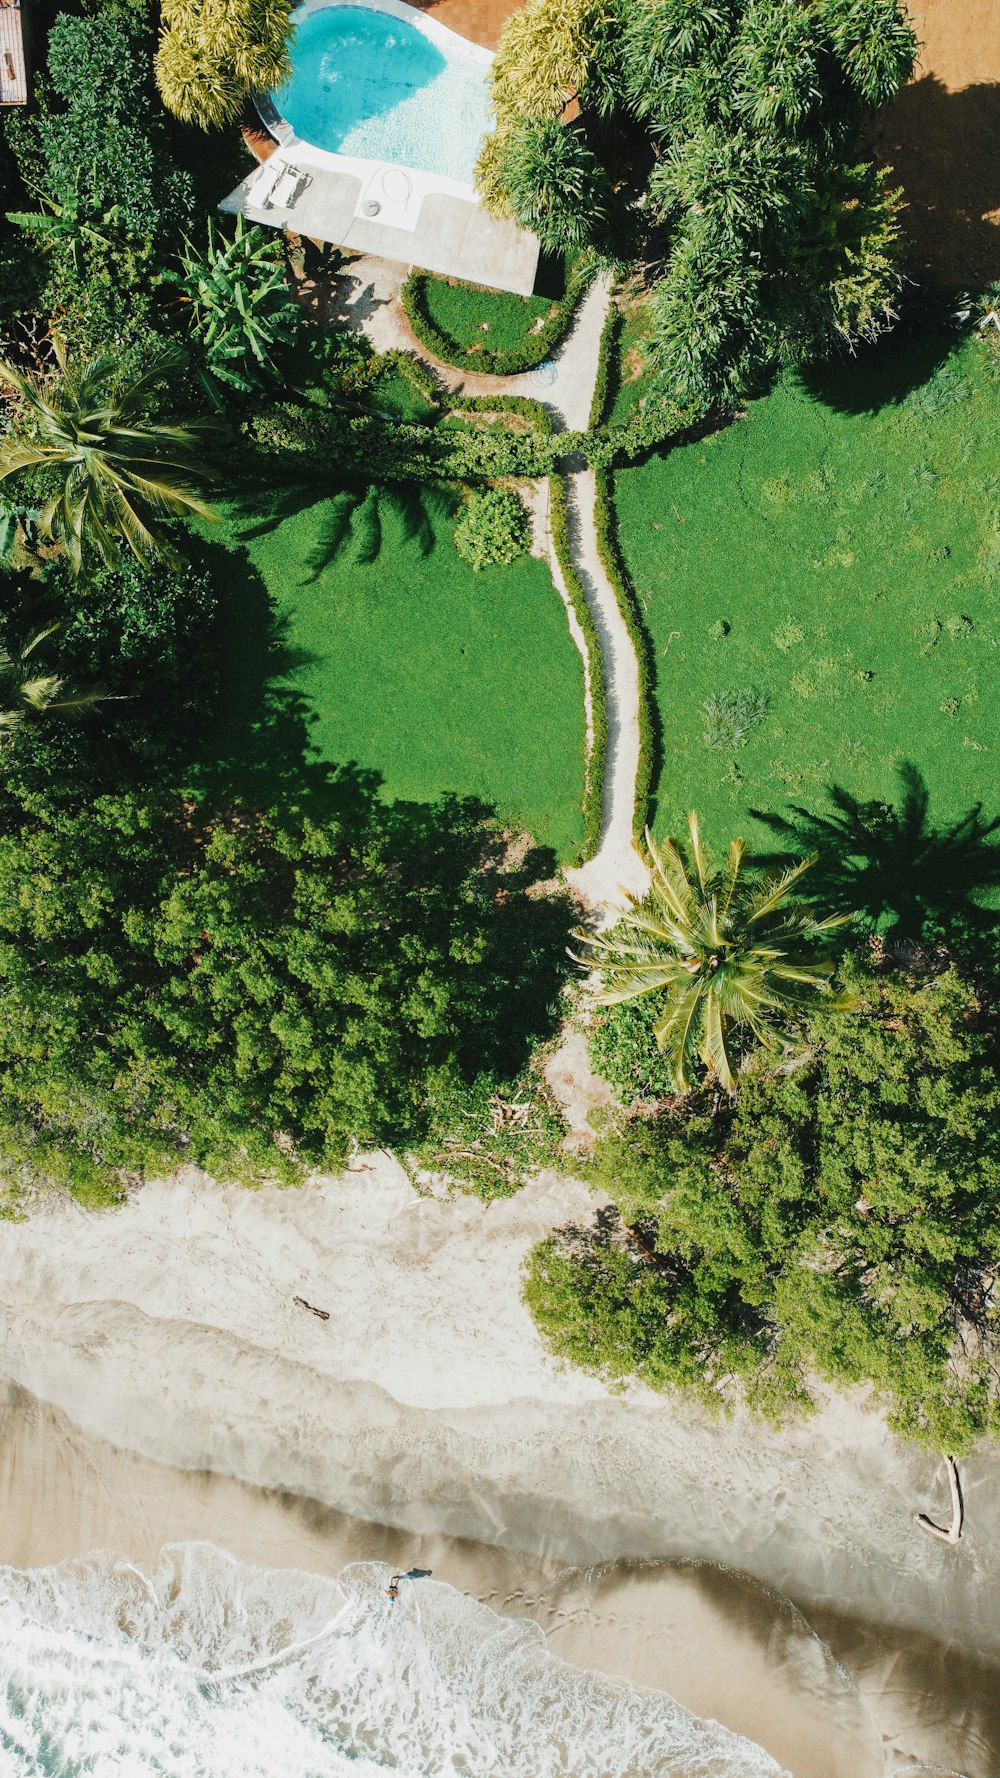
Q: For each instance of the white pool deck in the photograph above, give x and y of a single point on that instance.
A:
(383, 208)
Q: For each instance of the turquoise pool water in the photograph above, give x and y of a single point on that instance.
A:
(368, 84)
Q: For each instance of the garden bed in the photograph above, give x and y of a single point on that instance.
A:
(490, 330)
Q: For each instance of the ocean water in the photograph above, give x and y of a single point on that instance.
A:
(368, 84)
(205, 1667)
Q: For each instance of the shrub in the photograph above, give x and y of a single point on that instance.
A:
(596, 749)
(625, 1053)
(493, 529)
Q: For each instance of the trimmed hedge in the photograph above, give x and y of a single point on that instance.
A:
(607, 366)
(593, 778)
(539, 416)
(534, 349)
(650, 739)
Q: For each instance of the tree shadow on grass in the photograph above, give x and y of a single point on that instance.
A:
(451, 853)
(441, 877)
(895, 370)
(355, 517)
(892, 866)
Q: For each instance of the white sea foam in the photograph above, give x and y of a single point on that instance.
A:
(207, 1668)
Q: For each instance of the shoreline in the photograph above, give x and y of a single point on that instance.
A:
(826, 1700)
(427, 1406)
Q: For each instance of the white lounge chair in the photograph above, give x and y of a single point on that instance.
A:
(284, 190)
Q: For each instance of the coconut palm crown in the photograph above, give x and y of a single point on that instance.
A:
(113, 468)
(727, 955)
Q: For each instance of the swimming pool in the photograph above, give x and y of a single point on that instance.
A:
(372, 84)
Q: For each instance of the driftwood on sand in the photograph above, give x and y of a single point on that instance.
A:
(324, 1314)
(952, 1532)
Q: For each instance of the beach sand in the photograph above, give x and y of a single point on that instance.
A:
(843, 1702)
(424, 1423)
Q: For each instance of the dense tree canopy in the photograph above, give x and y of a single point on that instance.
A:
(729, 130)
(841, 1219)
(251, 991)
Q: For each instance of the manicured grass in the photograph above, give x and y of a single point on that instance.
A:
(493, 319)
(395, 395)
(438, 678)
(850, 539)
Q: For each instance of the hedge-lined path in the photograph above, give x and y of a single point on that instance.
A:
(366, 295)
(616, 865)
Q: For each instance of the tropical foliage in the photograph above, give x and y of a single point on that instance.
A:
(94, 153)
(732, 126)
(839, 1219)
(28, 689)
(252, 991)
(729, 958)
(213, 53)
(551, 182)
(241, 310)
(103, 467)
(542, 61)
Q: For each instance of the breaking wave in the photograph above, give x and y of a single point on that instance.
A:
(205, 1667)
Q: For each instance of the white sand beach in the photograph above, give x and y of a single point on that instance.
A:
(427, 1410)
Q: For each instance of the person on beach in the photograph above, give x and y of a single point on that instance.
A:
(392, 1590)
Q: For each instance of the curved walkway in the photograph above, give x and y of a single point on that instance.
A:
(368, 298)
(616, 865)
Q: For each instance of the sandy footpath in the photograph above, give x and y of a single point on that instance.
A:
(427, 1401)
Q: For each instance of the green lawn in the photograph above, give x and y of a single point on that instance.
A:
(438, 678)
(494, 319)
(853, 551)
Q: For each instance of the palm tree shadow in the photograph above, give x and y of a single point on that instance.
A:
(356, 517)
(891, 866)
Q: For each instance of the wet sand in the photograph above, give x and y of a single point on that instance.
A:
(829, 1699)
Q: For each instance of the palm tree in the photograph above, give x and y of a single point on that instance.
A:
(85, 428)
(723, 953)
(26, 692)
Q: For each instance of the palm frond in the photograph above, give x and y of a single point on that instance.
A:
(777, 889)
(697, 852)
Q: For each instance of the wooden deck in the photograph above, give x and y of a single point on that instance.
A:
(13, 69)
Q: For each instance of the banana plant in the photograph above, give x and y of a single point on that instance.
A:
(241, 309)
(67, 223)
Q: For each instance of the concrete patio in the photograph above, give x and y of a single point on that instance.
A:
(450, 234)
